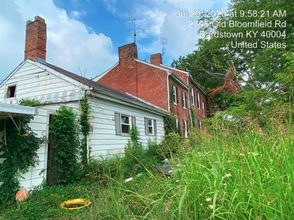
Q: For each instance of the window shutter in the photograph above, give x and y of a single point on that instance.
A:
(176, 94)
(146, 125)
(133, 118)
(183, 104)
(117, 123)
(155, 127)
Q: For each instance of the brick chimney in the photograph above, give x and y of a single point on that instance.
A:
(156, 59)
(128, 51)
(36, 38)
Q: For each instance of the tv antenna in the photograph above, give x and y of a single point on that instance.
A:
(163, 41)
(133, 29)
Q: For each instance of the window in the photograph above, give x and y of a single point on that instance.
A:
(175, 94)
(199, 125)
(192, 96)
(185, 128)
(203, 109)
(11, 91)
(150, 126)
(183, 100)
(124, 123)
(177, 123)
(198, 100)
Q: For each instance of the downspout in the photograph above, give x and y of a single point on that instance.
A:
(168, 97)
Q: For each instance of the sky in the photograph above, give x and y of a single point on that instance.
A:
(83, 36)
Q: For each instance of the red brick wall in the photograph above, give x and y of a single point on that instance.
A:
(199, 112)
(177, 109)
(36, 38)
(140, 80)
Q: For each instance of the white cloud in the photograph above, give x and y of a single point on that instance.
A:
(77, 14)
(110, 4)
(70, 44)
(160, 20)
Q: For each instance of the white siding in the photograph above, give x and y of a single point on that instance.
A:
(46, 85)
(103, 140)
(37, 174)
(34, 82)
(40, 125)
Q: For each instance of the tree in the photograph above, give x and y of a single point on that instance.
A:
(256, 66)
(257, 36)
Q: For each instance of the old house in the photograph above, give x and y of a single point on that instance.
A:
(170, 89)
(113, 112)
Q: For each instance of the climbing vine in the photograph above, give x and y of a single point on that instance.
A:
(66, 146)
(170, 125)
(18, 150)
(85, 128)
(193, 118)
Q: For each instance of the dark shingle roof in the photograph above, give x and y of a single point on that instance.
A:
(97, 86)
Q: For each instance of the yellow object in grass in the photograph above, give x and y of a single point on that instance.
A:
(75, 204)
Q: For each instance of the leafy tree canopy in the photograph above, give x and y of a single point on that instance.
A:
(254, 36)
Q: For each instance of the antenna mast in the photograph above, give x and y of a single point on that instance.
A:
(133, 29)
(163, 41)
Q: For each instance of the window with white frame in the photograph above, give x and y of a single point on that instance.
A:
(185, 128)
(203, 109)
(177, 123)
(192, 96)
(150, 126)
(11, 91)
(175, 94)
(184, 100)
(198, 100)
(124, 123)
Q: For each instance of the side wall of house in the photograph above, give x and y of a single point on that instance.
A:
(103, 140)
(31, 81)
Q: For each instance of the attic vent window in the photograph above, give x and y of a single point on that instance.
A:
(11, 91)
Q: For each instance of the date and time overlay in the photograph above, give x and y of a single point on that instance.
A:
(271, 31)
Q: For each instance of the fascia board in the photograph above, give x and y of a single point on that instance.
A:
(155, 66)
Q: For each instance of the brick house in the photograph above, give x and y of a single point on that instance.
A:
(170, 89)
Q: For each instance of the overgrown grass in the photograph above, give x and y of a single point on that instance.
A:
(219, 176)
(246, 176)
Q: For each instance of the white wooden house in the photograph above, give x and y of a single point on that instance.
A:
(37, 79)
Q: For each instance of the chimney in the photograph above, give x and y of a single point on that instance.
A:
(128, 51)
(36, 37)
(156, 59)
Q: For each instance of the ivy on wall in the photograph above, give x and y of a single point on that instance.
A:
(193, 118)
(85, 128)
(66, 145)
(18, 146)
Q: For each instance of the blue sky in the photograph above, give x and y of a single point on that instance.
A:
(83, 36)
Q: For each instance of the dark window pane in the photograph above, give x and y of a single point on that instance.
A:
(150, 130)
(125, 128)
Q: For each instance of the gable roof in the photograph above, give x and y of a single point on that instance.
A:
(94, 87)
(188, 75)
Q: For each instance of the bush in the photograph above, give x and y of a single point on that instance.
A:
(170, 145)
